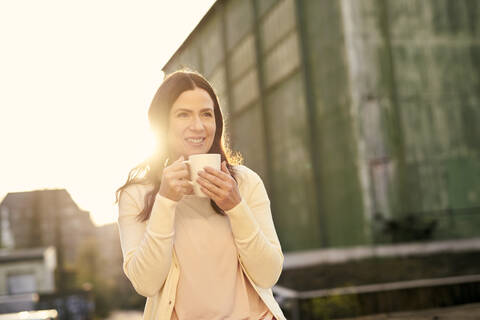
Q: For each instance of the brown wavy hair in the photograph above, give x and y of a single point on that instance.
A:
(149, 171)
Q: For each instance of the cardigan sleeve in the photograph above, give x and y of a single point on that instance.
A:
(146, 247)
(254, 232)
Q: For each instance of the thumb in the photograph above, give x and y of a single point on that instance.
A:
(180, 159)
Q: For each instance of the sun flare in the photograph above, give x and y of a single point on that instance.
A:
(75, 95)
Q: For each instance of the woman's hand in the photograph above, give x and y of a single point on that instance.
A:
(175, 181)
(220, 187)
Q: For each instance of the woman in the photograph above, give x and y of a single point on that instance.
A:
(193, 257)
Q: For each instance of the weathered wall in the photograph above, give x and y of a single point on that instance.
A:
(436, 74)
(350, 109)
(250, 52)
(340, 194)
(415, 82)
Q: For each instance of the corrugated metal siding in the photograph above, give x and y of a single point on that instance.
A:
(349, 109)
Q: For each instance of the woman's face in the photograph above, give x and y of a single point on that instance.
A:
(191, 124)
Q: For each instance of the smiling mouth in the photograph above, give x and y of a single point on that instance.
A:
(195, 140)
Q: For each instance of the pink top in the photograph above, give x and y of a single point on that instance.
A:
(212, 284)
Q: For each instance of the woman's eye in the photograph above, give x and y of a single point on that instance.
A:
(182, 114)
(208, 114)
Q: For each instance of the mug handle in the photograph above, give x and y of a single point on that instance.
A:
(188, 162)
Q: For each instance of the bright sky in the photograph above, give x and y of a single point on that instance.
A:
(76, 79)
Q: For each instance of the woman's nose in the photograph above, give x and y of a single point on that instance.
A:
(197, 124)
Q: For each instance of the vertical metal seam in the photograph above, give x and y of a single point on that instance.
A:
(201, 66)
(227, 68)
(397, 139)
(311, 113)
(364, 169)
(263, 106)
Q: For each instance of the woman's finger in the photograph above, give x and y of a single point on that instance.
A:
(190, 189)
(178, 166)
(180, 174)
(185, 183)
(214, 180)
(219, 174)
(187, 189)
(210, 186)
(210, 194)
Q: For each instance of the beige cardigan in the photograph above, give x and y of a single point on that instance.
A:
(149, 260)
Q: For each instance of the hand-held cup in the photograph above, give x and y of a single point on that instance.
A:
(198, 162)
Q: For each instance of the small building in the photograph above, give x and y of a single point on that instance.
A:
(44, 218)
(24, 274)
(27, 271)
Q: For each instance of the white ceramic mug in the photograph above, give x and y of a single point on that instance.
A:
(198, 162)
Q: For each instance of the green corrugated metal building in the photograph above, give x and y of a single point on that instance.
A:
(350, 109)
